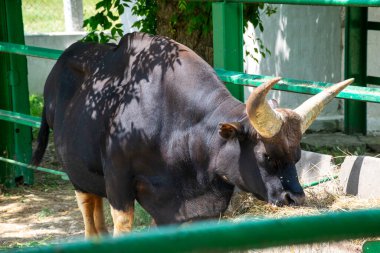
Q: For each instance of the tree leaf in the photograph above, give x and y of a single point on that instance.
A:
(120, 9)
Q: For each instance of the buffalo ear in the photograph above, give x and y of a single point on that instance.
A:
(229, 130)
(273, 103)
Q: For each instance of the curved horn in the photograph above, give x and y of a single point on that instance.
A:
(264, 119)
(312, 107)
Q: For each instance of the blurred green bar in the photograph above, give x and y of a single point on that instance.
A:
(371, 247)
(224, 236)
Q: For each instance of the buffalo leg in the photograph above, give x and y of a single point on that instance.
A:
(122, 220)
(99, 220)
(89, 205)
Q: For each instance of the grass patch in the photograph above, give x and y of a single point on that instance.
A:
(142, 219)
(48, 16)
(17, 245)
(36, 103)
(45, 212)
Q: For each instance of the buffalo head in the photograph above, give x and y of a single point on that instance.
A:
(258, 153)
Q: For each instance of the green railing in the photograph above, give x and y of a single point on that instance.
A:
(223, 236)
(364, 94)
(249, 234)
(28, 166)
(228, 236)
(40, 52)
(20, 118)
(358, 93)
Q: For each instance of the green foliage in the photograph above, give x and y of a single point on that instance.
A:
(196, 14)
(252, 13)
(18, 245)
(45, 212)
(36, 104)
(147, 11)
(106, 18)
(142, 220)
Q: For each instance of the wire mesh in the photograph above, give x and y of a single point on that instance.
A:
(47, 16)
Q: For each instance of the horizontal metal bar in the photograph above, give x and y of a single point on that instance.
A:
(227, 236)
(28, 166)
(356, 3)
(30, 50)
(290, 85)
(323, 180)
(374, 26)
(300, 86)
(373, 80)
(20, 118)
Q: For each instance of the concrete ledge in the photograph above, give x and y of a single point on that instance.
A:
(359, 175)
(314, 166)
(332, 141)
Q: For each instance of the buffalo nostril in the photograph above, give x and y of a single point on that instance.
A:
(288, 199)
(293, 199)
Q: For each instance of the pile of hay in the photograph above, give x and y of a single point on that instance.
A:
(322, 198)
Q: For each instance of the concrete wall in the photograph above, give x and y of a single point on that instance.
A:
(305, 43)
(38, 68)
(373, 69)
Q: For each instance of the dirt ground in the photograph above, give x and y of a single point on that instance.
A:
(46, 212)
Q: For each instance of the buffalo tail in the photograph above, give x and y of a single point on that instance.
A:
(43, 138)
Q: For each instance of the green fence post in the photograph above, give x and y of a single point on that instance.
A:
(6, 128)
(228, 40)
(355, 113)
(15, 139)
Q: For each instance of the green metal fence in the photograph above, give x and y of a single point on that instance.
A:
(222, 236)
(15, 139)
(225, 236)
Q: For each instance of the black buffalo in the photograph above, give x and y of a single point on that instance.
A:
(149, 120)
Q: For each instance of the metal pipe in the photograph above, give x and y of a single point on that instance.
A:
(40, 52)
(55, 172)
(226, 236)
(366, 94)
(20, 118)
(323, 180)
(232, 77)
